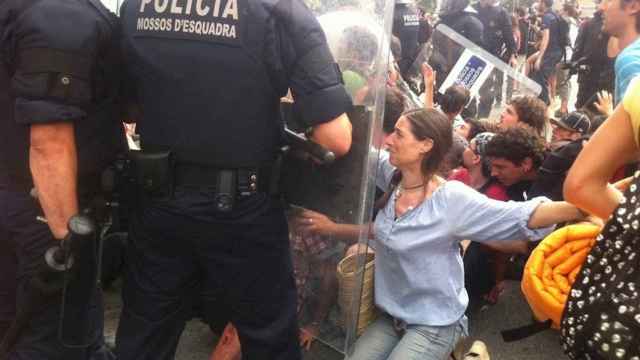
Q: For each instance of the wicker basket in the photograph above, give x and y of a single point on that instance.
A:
(348, 277)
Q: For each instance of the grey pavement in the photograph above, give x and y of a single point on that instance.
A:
(511, 311)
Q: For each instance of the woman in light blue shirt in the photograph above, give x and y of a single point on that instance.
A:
(419, 280)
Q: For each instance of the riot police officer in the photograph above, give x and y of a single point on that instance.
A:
(406, 27)
(58, 91)
(208, 76)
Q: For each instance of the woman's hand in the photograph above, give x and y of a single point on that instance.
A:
(312, 222)
(308, 334)
(604, 103)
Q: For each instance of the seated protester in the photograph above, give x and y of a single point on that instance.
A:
(453, 158)
(516, 154)
(419, 277)
(470, 128)
(527, 110)
(484, 268)
(568, 134)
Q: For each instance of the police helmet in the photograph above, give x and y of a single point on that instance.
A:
(449, 7)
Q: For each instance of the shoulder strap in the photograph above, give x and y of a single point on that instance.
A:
(21, 7)
(106, 14)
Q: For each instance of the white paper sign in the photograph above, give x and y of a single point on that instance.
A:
(470, 71)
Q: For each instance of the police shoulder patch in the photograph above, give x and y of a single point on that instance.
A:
(204, 20)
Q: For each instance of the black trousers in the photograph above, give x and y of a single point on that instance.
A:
(547, 69)
(8, 269)
(27, 241)
(182, 251)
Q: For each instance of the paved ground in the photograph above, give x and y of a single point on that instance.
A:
(512, 311)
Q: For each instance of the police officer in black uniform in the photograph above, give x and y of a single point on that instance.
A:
(8, 264)
(498, 41)
(406, 27)
(591, 51)
(208, 76)
(59, 128)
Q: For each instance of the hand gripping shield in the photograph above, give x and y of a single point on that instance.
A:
(335, 285)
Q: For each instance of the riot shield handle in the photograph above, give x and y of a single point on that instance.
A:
(317, 151)
(60, 258)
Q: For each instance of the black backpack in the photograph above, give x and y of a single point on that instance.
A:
(563, 32)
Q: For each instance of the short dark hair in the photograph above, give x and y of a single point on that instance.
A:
(394, 105)
(548, 3)
(531, 111)
(475, 127)
(454, 99)
(521, 11)
(515, 144)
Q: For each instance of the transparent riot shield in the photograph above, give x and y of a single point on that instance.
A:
(457, 60)
(334, 305)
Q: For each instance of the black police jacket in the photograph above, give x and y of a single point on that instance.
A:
(59, 63)
(406, 27)
(554, 169)
(497, 35)
(209, 75)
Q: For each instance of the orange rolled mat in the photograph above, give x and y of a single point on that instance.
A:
(552, 268)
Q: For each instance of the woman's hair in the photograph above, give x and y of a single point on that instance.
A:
(434, 125)
(454, 99)
(425, 124)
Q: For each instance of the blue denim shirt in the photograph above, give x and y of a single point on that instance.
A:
(419, 275)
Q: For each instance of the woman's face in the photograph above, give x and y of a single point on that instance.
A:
(509, 117)
(404, 149)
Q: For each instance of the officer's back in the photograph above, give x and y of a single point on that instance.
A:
(210, 74)
(208, 77)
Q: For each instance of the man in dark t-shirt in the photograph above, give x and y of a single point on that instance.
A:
(551, 51)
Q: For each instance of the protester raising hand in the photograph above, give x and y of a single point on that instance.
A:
(604, 103)
(429, 76)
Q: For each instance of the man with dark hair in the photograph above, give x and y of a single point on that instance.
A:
(551, 48)
(527, 110)
(568, 135)
(516, 154)
(622, 21)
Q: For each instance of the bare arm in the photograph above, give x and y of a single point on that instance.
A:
(551, 213)
(317, 223)
(587, 184)
(429, 77)
(334, 135)
(53, 163)
(544, 43)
